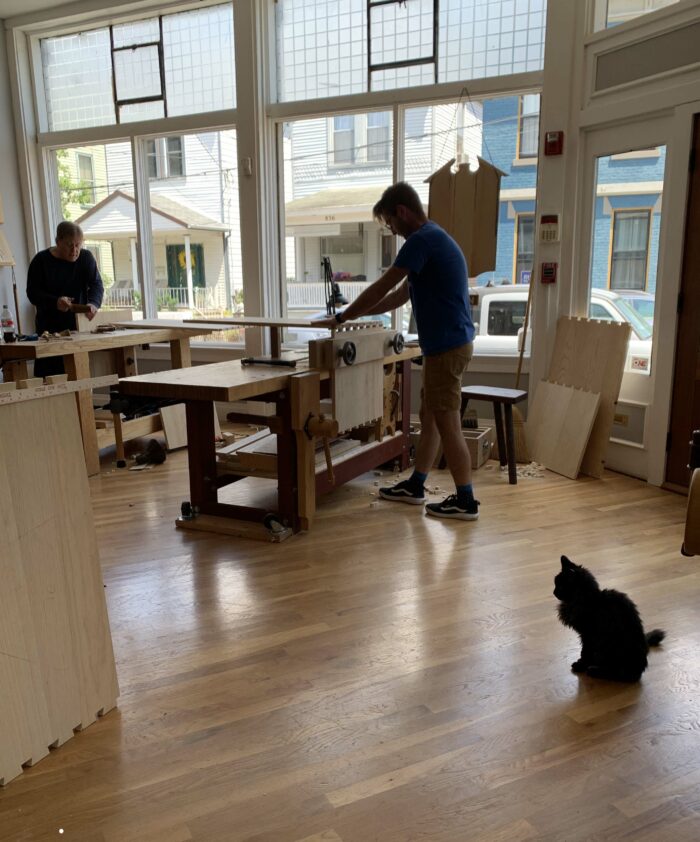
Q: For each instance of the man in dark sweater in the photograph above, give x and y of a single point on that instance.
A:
(59, 277)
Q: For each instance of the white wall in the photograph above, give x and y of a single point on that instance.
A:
(13, 228)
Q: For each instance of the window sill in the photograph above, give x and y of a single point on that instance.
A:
(524, 162)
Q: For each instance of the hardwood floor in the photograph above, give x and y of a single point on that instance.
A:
(386, 677)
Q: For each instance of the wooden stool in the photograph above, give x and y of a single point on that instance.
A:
(499, 398)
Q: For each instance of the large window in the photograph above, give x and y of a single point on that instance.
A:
(329, 196)
(630, 247)
(625, 246)
(162, 66)
(322, 46)
(103, 207)
(195, 226)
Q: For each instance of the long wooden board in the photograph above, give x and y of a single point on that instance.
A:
(559, 425)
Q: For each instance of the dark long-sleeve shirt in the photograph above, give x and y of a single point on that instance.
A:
(49, 278)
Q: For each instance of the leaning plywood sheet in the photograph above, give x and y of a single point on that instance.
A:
(590, 355)
(25, 734)
(559, 425)
(63, 626)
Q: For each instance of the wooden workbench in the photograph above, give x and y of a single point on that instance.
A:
(76, 351)
(229, 382)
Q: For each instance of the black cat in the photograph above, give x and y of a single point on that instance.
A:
(613, 642)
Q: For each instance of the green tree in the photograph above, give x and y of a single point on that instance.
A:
(72, 192)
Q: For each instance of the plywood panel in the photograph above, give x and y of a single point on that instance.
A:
(590, 355)
(25, 733)
(52, 602)
(559, 425)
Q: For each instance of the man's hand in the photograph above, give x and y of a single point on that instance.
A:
(92, 312)
(64, 304)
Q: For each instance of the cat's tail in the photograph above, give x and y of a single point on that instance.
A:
(655, 636)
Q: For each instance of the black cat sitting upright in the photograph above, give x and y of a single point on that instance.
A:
(613, 642)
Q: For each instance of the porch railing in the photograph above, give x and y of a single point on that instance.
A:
(300, 296)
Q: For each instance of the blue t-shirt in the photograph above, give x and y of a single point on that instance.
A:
(438, 285)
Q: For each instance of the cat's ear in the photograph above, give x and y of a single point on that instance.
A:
(567, 564)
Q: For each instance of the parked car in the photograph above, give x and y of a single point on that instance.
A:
(499, 315)
(643, 302)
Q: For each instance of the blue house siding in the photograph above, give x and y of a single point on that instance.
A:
(500, 148)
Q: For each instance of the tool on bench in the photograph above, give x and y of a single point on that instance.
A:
(270, 361)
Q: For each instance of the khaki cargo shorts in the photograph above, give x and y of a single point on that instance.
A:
(442, 378)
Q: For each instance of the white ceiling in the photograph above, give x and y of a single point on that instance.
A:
(10, 8)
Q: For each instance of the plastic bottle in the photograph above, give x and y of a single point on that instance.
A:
(8, 324)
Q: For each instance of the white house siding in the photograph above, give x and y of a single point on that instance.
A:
(310, 168)
(210, 187)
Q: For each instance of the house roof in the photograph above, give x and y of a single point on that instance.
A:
(336, 204)
(115, 217)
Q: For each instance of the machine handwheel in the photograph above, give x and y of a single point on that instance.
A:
(348, 353)
(397, 343)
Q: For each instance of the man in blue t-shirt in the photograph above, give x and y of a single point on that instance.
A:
(430, 269)
(59, 277)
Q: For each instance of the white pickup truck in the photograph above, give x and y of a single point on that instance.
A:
(499, 315)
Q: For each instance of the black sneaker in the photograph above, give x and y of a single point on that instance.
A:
(450, 507)
(403, 492)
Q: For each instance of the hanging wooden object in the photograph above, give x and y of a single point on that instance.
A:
(465, 203)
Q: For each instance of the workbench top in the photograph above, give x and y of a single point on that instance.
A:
(80, 342)
(225, 381)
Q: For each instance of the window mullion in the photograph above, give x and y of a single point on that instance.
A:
(142, 197)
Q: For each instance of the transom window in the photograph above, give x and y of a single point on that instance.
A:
(159, 67)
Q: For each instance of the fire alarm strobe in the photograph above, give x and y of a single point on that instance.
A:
(553, 143)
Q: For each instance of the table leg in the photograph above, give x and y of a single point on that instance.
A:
(180, 352)
(125, 361)
(500, 437)
(287, 470)
(404, 370)
(15, 370)
(275, 342)
(510, 437)
(201, 455)
(78, 368)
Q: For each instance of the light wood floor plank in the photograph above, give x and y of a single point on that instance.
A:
(386, 677)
